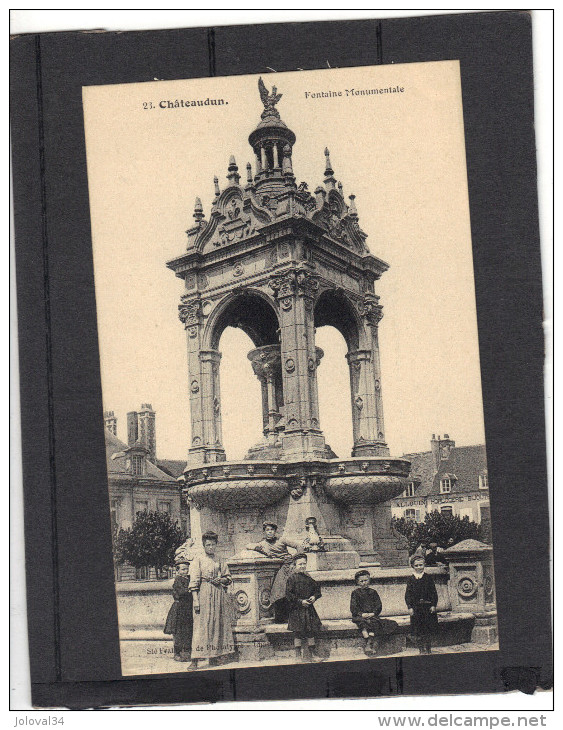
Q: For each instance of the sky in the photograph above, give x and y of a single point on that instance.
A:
(402, 155)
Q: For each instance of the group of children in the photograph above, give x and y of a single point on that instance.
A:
(201, 616)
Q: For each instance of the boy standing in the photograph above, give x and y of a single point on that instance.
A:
(421, 598)
(301, 593)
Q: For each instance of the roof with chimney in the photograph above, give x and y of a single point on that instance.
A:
(462, 464)
(116, 460)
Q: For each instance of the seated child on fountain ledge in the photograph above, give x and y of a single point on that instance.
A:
(365, 607)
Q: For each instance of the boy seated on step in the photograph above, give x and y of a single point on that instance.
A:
(365, 607)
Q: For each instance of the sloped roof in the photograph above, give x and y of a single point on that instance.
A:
(422, 467)
(173, 467)
(115, 466)
(465, 463)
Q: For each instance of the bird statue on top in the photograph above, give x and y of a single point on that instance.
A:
(269, 100)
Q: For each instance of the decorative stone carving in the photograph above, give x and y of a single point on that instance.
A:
(298, 281)
(238, 269)
(371, 310)
(194, 386)
(298, 489)
(313, 542)
(466, 586)
(189, 311)
(290, 365)
(242, 602)
(265, 598)
(269, 100)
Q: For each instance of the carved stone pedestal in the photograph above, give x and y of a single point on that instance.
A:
(252, 581)
(471, 586)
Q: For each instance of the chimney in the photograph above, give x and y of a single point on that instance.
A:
(441, 449)
(132, 428)
(146, 429)
(435, 447)
(141, 427)
(110, 422)
(446, 446)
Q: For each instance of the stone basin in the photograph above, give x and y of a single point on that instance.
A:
(233, 485)
(232, 494)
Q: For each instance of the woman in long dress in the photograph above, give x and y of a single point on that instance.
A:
(213, 616)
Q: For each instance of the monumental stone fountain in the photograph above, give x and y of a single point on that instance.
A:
(279, 261)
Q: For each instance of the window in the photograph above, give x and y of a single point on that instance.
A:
(409, 491)
(447, 510)
(164, 507)
(484, 480)
(412, 514)
(137, 465)
(445, 486)
(141, 506)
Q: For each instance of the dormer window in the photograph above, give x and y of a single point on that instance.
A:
(484, 480)
(445, 486)
(137, 464)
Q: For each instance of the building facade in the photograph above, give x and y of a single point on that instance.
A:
(136, 484)
(449, 479)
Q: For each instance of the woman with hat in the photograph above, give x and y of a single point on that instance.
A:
(421, 598)
(213, 616)
(273, 546)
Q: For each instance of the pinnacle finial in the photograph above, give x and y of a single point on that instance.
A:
(352, 207)
(248, 172)
(233, 177)
(216, 183)
(198, 211)
(329, 172)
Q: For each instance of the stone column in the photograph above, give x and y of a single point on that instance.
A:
(263, 158)
(203, 372)
(365, 384)
(295, 290)
(266, 363)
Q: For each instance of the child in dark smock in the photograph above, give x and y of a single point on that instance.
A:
(365, 607)
(421, 598)
(301, 593)
(179, 621)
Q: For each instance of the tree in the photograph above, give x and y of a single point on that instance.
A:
(151, 541)
(443, 529)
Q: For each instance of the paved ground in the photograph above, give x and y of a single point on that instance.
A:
(157, 657)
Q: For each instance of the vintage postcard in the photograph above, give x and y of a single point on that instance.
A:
(289, 353)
